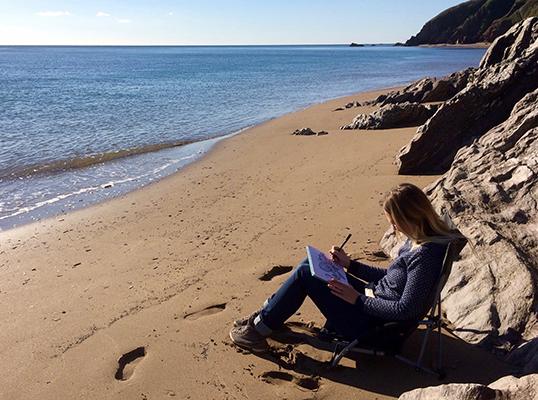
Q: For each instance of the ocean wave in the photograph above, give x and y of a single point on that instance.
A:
(62, 166)
(30, 198)
(95, 191)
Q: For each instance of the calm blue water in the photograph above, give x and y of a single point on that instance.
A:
(80, 124)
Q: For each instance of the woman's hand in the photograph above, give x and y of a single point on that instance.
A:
(345, 292)
(339, 257)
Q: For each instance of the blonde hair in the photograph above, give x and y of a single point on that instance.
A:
(411, 210)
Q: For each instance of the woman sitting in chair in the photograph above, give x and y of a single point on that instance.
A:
(398, 293)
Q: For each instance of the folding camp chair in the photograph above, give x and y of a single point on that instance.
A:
(389, 339)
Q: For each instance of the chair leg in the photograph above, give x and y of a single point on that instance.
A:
(336, 358)
(423, 349)
(439, 335)
(439, 350)
(439, 374)
(335, 353)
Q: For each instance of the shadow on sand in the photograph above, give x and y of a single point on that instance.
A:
(462, 363)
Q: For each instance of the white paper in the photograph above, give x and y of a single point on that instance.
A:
(323, 267)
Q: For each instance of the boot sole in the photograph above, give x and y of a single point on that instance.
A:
(247, 347)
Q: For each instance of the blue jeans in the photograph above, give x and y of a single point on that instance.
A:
(348, 321)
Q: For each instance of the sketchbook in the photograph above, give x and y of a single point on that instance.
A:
(323, 267)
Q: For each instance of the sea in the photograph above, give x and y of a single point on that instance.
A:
(79, 125)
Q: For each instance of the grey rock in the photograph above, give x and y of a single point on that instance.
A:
(484, 103)
(309, 132)
(512, 44)
(446, 88)
(491, 191)
(460, 391)
(506, 388)
(393, 116)
(348, 105)
(412, 93)
(304, 131)
(427, 90)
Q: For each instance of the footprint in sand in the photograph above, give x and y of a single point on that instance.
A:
(275, 271)
(128, 362)
(280, 377)
(205, 312)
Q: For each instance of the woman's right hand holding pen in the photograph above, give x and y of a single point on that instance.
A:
(340, 257)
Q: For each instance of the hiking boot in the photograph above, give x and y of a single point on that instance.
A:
(245, 320)
(248, 337)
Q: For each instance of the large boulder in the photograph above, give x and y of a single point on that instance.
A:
(485, 102)
(491, 191)
(506, 388)
(393, 116)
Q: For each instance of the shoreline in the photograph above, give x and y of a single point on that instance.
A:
(159, 274)
(98, 192)
(479, 45)
(65, 203)
(199, 115)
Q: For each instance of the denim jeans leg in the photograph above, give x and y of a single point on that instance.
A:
(344, 317)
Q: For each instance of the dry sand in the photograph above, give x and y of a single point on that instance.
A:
(160, 274)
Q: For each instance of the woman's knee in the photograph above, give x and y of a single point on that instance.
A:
(303, 269)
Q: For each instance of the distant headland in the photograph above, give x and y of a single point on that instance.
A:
(474, 21)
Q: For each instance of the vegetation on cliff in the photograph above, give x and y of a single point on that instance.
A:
(474, 21)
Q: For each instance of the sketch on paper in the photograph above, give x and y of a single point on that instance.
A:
(323, 267)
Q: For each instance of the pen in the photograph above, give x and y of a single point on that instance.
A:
(345, 241)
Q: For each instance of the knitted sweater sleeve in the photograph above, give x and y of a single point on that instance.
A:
(366, 272)
(421, 268)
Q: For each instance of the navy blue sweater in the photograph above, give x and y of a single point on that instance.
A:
(402, 289)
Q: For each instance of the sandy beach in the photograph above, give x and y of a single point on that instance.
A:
(160, 274)
(479, 45)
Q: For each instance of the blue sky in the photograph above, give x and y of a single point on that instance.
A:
(212, 22)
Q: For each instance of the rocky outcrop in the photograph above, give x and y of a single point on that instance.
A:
(485, 102)
(512, 46)
(474, 21)
(394, 116)
(427, 90)
(412, 93)
(506, 388)
(402, 108)
(447, 87)
(491, 192)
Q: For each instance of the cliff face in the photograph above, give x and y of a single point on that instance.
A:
(474, 21)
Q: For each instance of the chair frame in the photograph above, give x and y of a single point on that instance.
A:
(431, 320)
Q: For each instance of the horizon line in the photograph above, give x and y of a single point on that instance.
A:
(196, 45)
